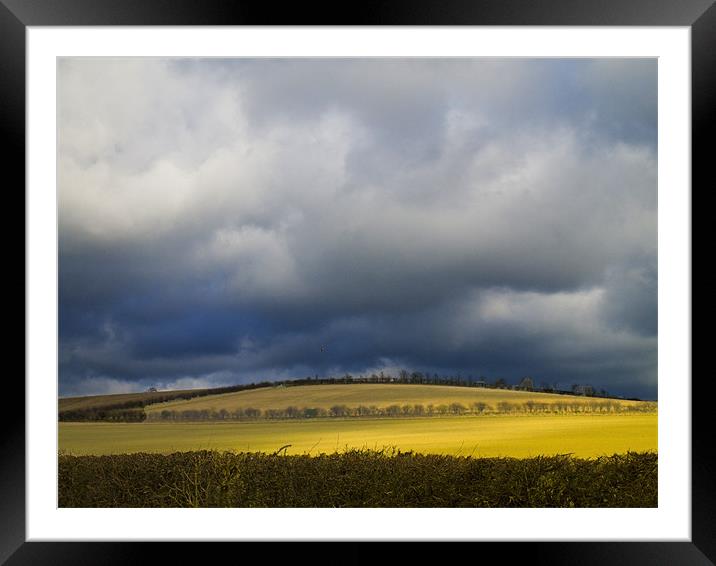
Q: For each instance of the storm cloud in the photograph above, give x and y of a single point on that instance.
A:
(222, 219)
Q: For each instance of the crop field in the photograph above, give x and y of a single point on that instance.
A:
(479, 436)
(353, 395)
(93, 401)
(562, 451)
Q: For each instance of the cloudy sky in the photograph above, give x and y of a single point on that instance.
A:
(221, 220)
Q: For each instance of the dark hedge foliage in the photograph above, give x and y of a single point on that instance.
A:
(355, 478)
(104, 414)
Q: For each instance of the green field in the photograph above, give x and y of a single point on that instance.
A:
(353, 395)
(479, 436)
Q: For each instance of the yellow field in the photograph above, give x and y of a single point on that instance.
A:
(518, 436)
(380, 395)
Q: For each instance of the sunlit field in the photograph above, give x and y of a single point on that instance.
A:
(517, 436)
(380, 395)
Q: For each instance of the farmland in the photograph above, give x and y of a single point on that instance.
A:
(378, 395)
(508, 423)
(519, 449)
(92, 401)
(519, 436)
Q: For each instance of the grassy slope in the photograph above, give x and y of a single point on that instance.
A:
(97, 401)
(518, 436)
(380, 395)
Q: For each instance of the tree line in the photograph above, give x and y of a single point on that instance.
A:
(104, 414)
(395, 410)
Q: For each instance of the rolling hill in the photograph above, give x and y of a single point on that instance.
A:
(99, 401)
(354, 395)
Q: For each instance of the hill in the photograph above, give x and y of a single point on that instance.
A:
(116, 400)
(380, 396)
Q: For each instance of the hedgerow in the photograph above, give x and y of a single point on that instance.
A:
(355, 478)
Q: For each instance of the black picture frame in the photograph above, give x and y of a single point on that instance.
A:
(17, 15)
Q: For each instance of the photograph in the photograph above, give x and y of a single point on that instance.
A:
(382, 277)
(357, 282)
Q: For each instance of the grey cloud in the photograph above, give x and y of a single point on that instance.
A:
(223, 218)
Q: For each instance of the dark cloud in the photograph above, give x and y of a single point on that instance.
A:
(221, 219)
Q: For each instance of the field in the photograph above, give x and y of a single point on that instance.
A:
(380, 395)
(564, 451)
(518, 436)
(93, 401)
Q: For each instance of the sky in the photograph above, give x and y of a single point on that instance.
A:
(226, 221)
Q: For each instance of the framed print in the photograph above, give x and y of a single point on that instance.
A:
(408, 275)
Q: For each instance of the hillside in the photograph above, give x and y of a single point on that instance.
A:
(354, 395)
(117, 399)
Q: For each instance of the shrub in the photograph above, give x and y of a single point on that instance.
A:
(355, 478)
